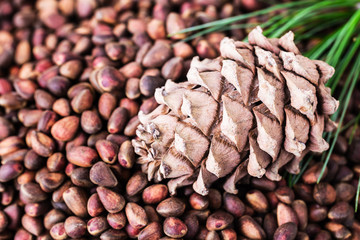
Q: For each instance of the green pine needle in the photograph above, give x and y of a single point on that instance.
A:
(230, 20)
(357, 196)
(305, 13)
(343, 39)
(350, 123)
(353, 78)
(356, 125)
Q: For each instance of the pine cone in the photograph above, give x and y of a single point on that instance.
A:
(258, 108)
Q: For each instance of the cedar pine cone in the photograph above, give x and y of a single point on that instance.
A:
(258, 108)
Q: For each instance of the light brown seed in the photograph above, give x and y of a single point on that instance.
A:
(3, 221)
(112, 201)
(113, 234)
(215, 198)
(301, 211)
(97, 225)
(148, 84)
(91, 122)
(80, 177)
(29, 118)
(114, 50)
(132, 70)
(58, 231)
(312, 174)
(32, 193)
(10, 145)
(324, 193)
(109, 79)
(10, 171)
(76, 200)
(338, 230)
(173, 68)
(233, 204)
(156, 29)
(14, 214)
(43, 99)
(174, 227)
(22, 234)
(132, 88)
(154, 193)
(270, 224)
(71, 69)
(25, 88)
(62, 107)
(171, 207)
(82, 101)
(56, 162)
(107, 150)
(46, 121)
(151, 232)
(136, 215)
(117, 120)
(12, 101)
(22, 52)
(158, 54)
(257, 201)
(42, 144)
(32, 224)
(250, 228)
(285, 214)
(286, 231)
(131, 231)
(198, 202)
(228, 234)
(131, 105)
(82, 156)
(66, 128)
(183, 50)
(94, 205)
(219, 220)
(136, 184)
(51, 181)
(126, 154)
(52, 217)
(116, 220)
(285, 194)
(75, 227)
(174, 23)
(339, 212)
(107, 103)
(317, 213)
(101, 174)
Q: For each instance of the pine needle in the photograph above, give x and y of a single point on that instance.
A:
(305, 13)
(357, 119)
(343, 39)
(353, 78)
(357, 196)
(350, 123)
(230, 20)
